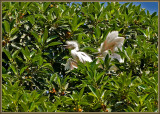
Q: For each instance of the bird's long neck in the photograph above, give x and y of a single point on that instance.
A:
(74, 54)
(76, 49)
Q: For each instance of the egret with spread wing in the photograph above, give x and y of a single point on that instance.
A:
(76, 55)
(112, 43)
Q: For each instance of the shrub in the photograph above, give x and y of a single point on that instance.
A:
(33, 74)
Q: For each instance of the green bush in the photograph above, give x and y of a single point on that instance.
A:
(33, 74)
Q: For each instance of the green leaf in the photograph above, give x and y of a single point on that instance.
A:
(97, 5)
(59, 81)
(81, 93)
(154, 14)
(97, 32)
(22, 70)
(27, 52)
(48, 65)
(107, 61)
(92, 17)
(36, 36)
(34, 94)
(41, 108)
(99, 76)
(46, 4)
(31, 19)
(126, 55)
(14, 69)
(103, 93)
(131, 109)
(134, 97)
(32, 106)
(7, 26)
(14, 55)
(78, 26)
(32, 53)
(128, 82)
(45, 36)
(149, 106)
(24, 106)
(18, 95)
(74, 23)
(79, 37)
(14, 31)
(89, 49)
(36, 57)
(54, 44)
(7, 53)
(51, 38)
(84, 103)
(3, 70)
(24, 54)
(75, 96)
(94, 91)
(40, 61)
(66, 86)
(41, 99)
(40, 16)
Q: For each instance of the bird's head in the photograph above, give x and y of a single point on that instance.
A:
(72, 45)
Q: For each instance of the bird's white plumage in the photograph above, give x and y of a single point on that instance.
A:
(112, 56)
(112, 43)
(73, 45)
(80, 56)
(76, 54)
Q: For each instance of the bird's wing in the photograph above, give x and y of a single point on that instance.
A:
(70, 65)
(111, 36)
(119, 40)
(119, 43)
(116, 42)
(88, 58)
(106, 45)
(109, 43)
(83, 57)
(78, 57)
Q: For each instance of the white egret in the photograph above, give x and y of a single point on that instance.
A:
(76, 55)
(112, 43)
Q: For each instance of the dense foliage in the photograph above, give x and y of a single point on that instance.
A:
(33, 74)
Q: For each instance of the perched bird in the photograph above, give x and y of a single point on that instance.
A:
(76, 55)
(112, 43)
